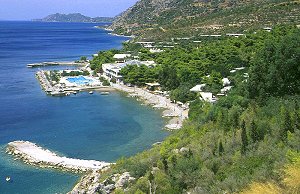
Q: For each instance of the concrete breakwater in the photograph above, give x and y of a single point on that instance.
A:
(46, 85)
(35, 155)
(55, 63)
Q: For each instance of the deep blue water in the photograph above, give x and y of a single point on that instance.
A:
(83, 126)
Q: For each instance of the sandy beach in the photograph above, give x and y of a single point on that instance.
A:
(33, 154)
(172, 110)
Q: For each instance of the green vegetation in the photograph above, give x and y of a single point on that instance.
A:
(275, 70)
(185, 66)
(250, 136)
(73, 17)
(139, 75)
(83, 58)
(104, 81)
(53, 76)
(103, 57)
(75, 73)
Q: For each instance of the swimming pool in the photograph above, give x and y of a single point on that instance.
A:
(79, 80)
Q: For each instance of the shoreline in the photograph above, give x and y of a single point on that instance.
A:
(110, 32)
(175, 114)
(32, 154)
(173, 111)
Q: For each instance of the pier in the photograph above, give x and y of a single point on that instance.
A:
(56, 63)
(35, 155)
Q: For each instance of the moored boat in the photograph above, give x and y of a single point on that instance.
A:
(7, 179)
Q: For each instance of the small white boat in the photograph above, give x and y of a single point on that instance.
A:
(68, 94)
(7, 178)
(91, 92)
(74, 92)
(104, 93)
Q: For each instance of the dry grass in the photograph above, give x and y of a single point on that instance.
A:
(291, 182)
(262, 188)
(292, 177)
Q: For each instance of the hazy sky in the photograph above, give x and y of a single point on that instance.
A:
(34, 9)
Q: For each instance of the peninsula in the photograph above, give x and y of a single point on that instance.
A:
(73, 17)
(35, 155)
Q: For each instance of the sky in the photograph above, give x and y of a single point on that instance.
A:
(35, 9)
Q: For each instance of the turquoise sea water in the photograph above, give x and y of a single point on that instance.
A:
(83, 126)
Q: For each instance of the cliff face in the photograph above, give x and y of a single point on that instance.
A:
(157, 18)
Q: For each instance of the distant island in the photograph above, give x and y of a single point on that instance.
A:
(73, 17)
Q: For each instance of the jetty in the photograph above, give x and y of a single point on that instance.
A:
(56, 63)
(35, 155)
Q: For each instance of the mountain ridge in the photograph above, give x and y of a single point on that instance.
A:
(178, 18)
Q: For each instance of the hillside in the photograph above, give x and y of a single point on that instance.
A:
(178, 18)
(73, 17)
(245, 142)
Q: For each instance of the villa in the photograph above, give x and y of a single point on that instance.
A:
(120, 58)
(198, 88)
(208, 97)
(112, 70)
(153, 86)
(226, 81)
(156, 50)
(146, 44)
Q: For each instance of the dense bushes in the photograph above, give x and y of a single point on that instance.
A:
(212, 157)
(275, 70)
(75, 73)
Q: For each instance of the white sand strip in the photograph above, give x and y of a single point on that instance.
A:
(32, 154)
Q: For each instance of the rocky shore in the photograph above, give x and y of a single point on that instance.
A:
(35, 155)
(171, 110)
(91, 183)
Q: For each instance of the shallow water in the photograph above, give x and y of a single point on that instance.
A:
(82, 126)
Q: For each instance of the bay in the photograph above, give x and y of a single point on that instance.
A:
(83, 126)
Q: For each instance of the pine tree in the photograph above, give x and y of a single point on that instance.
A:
(286, 125)
(244, 138)
(165, 163)
(221, 148)
(296, 117)
(254, 132)
(288, 122)
(151, 182)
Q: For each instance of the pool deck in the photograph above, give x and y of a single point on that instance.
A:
(54, 90)
(35, 155)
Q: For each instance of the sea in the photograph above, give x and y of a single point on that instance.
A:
(84, 126)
